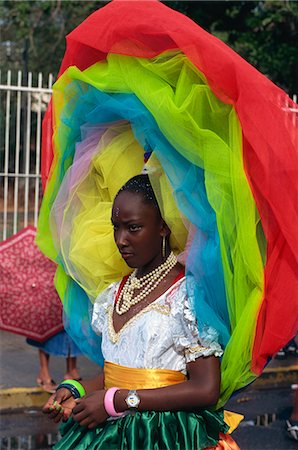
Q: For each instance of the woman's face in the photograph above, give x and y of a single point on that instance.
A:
(138, 230)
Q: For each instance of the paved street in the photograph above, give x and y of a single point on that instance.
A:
(265, 411)
(265, 404)
(19, 363)
(249, 436)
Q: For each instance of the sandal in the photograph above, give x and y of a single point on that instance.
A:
(48, 385)
(292, 429)
(76, 379)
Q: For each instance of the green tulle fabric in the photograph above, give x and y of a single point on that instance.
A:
(207, 133)
(148, 430)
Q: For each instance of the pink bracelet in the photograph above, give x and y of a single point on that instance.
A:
(108, 402)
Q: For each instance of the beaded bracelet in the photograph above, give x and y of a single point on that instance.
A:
(76, 389)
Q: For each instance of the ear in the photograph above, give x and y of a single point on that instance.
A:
(164, 229)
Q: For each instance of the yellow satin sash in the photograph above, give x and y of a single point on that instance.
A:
(132, 378)
(232, 419)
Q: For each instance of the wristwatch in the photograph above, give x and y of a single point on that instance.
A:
(132, 400)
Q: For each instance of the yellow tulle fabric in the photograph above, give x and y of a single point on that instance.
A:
(86, 235)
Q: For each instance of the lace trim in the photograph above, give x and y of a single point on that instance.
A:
(192, 353)
(198, 348)
(114, 336)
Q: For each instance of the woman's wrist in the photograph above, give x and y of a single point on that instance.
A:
(119, 400)
(76, 389)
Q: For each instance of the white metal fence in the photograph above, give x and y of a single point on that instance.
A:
(23, 102)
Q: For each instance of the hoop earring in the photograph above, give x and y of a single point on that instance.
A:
(163, 247)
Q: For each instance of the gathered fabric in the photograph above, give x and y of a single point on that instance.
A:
(149, 430)
(132, 378)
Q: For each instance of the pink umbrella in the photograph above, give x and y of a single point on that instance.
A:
(29, 303)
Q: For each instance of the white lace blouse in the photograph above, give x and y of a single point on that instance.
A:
(164, 335)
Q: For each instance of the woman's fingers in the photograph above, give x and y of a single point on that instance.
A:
(48, 406)
(66, 413)
(85, 422)
(92, 425)
(58, 417)
(79, 407)
(55, 411)
(79, 416)
(89, 411)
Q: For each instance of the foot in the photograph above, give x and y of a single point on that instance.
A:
(48, 385)
(292, 429)
(73, 375)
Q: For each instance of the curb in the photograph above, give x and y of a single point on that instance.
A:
(20, 398)
(274, 377)
(35, 397)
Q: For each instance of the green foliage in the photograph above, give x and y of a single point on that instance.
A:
(263, 32)
(268, 40)
(37, 29)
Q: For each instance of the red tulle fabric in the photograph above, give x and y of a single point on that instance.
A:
(147, 28)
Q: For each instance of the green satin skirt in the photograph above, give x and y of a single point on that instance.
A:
(148, 430)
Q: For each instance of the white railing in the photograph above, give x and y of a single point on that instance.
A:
(20, 145)
(23, 104)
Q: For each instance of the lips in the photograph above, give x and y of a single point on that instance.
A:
(126, 255)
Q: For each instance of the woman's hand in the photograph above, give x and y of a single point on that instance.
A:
(89, 410)
(60, 405)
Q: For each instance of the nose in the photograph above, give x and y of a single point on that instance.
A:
(121, 238)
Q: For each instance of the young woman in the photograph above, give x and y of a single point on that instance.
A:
(160, 377)
(190, 111)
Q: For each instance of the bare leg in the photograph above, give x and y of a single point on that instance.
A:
(71, 368)
(294, 415)
(44, 373)
(44, 377)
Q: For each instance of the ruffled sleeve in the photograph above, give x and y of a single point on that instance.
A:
(100, 307)
(185, 333)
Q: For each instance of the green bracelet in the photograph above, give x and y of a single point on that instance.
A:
(78, 386)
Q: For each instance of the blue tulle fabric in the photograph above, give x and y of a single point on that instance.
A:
(203, 265)
(77, 320)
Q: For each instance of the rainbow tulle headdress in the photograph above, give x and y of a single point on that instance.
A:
(141, 82)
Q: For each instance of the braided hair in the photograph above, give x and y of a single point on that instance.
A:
(140, 184)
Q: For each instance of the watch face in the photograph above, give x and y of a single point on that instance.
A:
(132, 401)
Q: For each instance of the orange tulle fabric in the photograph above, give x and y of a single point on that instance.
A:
(226, 442)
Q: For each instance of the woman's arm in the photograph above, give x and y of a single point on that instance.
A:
(93, 384)
(200, 390)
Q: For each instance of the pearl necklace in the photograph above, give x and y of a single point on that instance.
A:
(147, 283)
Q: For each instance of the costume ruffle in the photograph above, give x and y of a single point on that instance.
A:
(146, 431)
(221, 146)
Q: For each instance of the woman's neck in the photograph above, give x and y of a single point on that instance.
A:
(145, 270)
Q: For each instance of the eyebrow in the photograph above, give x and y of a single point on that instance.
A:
(126, 221)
